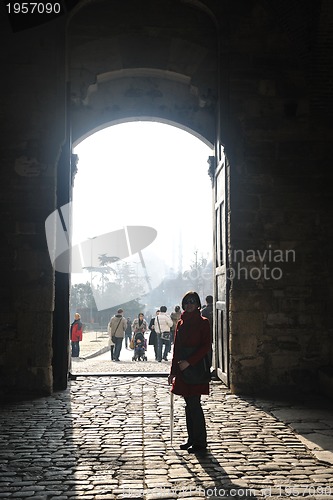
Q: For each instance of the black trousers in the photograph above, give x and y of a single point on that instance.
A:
(195, 421)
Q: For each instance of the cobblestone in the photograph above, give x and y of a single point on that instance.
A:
(107, 437)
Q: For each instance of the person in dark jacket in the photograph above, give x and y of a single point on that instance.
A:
(128, 333)
(175, 316)
(153, 336)
(192, 333)
(76, 335)
(207, 311)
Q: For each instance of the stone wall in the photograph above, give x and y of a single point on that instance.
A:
(32, 115)
(139, 66)
(281, 329)
(280, 318)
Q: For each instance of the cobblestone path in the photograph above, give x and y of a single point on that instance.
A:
(108, 438)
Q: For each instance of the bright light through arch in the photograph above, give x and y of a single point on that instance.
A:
(146, 174)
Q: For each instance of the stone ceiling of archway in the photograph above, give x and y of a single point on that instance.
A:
(133, 59)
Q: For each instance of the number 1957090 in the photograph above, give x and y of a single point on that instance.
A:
(33, 8)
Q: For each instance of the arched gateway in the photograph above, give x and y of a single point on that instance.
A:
(142, 67)
(250, 77)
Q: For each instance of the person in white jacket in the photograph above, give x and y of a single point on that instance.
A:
(163, 323)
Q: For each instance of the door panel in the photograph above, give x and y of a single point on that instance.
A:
(221, 331)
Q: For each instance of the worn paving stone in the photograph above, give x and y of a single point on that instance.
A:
(108, 438)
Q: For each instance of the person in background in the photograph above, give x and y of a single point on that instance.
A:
(128, 333)
(192, 334)
(163, 324)
(153, 337)
(111, 344)
(118, 325)
(207, 311)
(76, 335)
(175, 316)
(139, 324)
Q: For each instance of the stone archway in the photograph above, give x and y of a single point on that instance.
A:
(115, 78)
(261, 72)
(232, 85)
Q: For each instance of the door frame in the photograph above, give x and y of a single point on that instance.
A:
(221, 338)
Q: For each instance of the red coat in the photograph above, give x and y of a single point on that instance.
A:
(192, 331)
(76, 331)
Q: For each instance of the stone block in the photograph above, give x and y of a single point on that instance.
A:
(274, 319)
(283, 361)
(245, 323)
(252, 301)
(249, 202)
(246, 375)
(246, 345)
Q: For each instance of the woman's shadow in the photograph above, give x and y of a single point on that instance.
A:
(217, 483)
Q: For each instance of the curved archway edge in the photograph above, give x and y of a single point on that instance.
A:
(144, 95)
(143, 119)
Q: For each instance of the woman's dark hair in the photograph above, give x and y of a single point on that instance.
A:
(192, 295)
(163, 309)
(177, 309)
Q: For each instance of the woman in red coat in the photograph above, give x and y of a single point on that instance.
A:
(76, 335)
(192, 334)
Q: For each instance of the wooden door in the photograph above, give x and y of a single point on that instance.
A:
(221, 331)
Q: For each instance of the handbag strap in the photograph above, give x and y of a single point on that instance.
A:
(117, 326)
(159, 324)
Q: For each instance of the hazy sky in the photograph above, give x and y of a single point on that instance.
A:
(147, 174)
